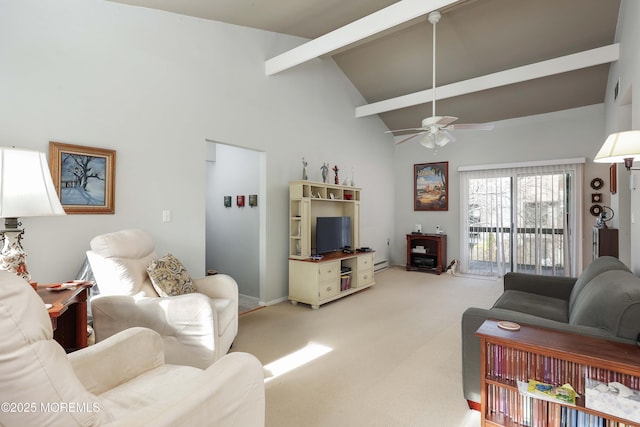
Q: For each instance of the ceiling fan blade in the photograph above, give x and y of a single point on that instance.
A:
(405, 130)
(410, 137)
(471, 126)
(438, 120)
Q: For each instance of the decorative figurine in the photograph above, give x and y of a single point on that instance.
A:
(325, 170)
(353, 182)
(335, 169)
(304, 169)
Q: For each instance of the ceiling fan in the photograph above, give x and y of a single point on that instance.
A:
(436, 129)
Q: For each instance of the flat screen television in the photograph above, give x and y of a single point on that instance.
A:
(333, 233)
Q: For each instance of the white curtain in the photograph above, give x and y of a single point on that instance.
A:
(523, 217)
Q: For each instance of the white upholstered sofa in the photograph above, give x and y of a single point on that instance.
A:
(197, 328)
(121, 381)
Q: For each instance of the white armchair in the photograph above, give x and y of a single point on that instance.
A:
(121, 381)
(197, 328)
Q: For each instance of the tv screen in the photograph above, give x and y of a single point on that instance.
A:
(333, 233)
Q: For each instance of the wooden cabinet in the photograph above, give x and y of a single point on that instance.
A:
(307, 201)
(337, 274)
(427, 252)
(605, 242)
(552, 357)
(316, 282)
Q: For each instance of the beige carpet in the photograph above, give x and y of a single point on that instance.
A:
(392, 353)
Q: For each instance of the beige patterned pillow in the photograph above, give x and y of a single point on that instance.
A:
(169, 277)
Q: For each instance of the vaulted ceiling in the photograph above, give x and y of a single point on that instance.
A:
(496, 59)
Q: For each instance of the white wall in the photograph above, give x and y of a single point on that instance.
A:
(620, 116)
(566, 134)
(154, 86)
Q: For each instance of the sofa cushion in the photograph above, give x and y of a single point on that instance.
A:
(121, 267)
(170, 277)
(611, 301)
(536, 305)
(597, 267)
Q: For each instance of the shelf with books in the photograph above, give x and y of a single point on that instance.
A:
(556, 358)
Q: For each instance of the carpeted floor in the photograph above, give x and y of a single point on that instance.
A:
(386, 356)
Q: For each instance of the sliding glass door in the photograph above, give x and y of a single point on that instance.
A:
(521, 219)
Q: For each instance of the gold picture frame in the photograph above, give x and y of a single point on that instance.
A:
(84, 178)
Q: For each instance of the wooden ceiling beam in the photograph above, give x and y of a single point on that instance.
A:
(389, 17)
(563, 64)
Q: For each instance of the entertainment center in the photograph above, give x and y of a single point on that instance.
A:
(314, 278)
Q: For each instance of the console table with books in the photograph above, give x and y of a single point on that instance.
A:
(514, 360)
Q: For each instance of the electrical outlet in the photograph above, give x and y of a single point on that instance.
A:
(166, 215)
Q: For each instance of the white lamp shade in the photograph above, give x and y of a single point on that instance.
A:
(26, 187)
(620, 146)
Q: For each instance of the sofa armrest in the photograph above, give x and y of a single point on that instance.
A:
(472, 318)
(229, 393)
(117, 359)
(551, 286)
(218, 286)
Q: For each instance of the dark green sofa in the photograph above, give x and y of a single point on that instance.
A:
(604, 302)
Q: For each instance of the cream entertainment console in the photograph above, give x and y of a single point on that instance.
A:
(316, 280)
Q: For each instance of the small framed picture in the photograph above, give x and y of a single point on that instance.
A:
(227, 201)
(596, 198)
(240, 201)
(84, 178)
(613, 179)
(253, 200)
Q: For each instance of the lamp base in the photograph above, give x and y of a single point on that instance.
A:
(13, 257)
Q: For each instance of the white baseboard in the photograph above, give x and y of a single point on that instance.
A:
(248, 300)
(380, 265)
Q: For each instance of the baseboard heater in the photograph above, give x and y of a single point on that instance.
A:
(381, 265)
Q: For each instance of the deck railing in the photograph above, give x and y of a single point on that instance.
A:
(539, 250)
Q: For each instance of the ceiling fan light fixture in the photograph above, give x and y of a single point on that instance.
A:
(427, 141)
(434, 129)
(442, 140)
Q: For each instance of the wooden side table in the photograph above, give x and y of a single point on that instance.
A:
(68, 314)
(427, 252)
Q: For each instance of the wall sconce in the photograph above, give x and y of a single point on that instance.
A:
(620, 147)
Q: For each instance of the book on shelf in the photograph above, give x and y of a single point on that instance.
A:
(561, 394)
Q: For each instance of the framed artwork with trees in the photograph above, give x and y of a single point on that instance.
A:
(430, 185)
(84, 178)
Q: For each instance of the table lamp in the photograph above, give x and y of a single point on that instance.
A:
(26, 189)
(620, 147)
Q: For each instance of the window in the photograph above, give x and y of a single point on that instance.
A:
(524, 218)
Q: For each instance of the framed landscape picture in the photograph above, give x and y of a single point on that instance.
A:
(430, 185)
(84, 178)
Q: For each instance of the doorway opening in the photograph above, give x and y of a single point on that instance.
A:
(235, 232)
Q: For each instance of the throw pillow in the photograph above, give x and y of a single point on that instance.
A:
(169, 277)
